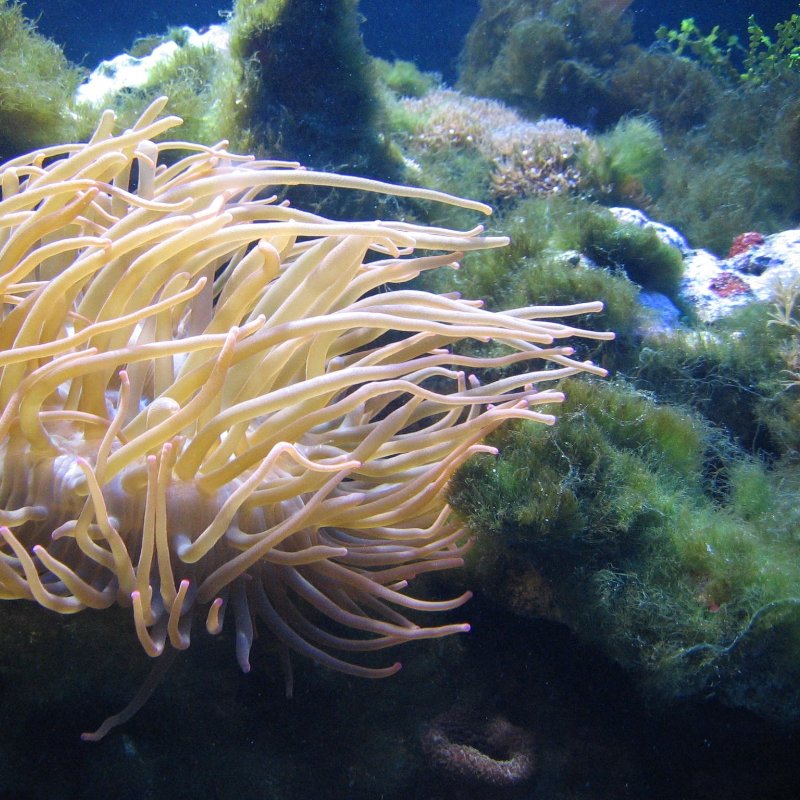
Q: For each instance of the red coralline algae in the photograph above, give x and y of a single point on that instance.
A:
(744, 241)
(726, 284)
(469, 749)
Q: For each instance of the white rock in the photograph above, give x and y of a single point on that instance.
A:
(713, 286)
(667, 235)
(761, 269)
(126, 72)
(710, 287)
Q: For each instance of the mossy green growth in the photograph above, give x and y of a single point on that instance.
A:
(534, 269)
(663, 543)
(404, 78)
(732, 373)
(711, 195)
(308, 89)
(546, 57)
(37, 84)
(676, 92)
(635, 153)
(253, 17)
(546, 227)
(195, 79)
(633, 249)
(591, 481)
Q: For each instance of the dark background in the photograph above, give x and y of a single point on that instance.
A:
(429, 32)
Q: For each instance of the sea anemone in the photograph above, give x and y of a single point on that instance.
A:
(208, 399)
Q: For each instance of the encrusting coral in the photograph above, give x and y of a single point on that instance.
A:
(523, 158)
(200, 407)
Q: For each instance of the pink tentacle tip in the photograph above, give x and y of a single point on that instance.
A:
(213, 623)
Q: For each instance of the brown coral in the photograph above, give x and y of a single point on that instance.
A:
(528, 158)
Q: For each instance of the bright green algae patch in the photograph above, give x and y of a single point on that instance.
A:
(662, 542)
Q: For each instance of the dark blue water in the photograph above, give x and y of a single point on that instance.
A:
(429, 32)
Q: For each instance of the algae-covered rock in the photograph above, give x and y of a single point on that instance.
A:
(308, 89)
(660, 540)
(404, 77)
(547, 57)
(571, 251)
(37, 84)
(194, 70)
